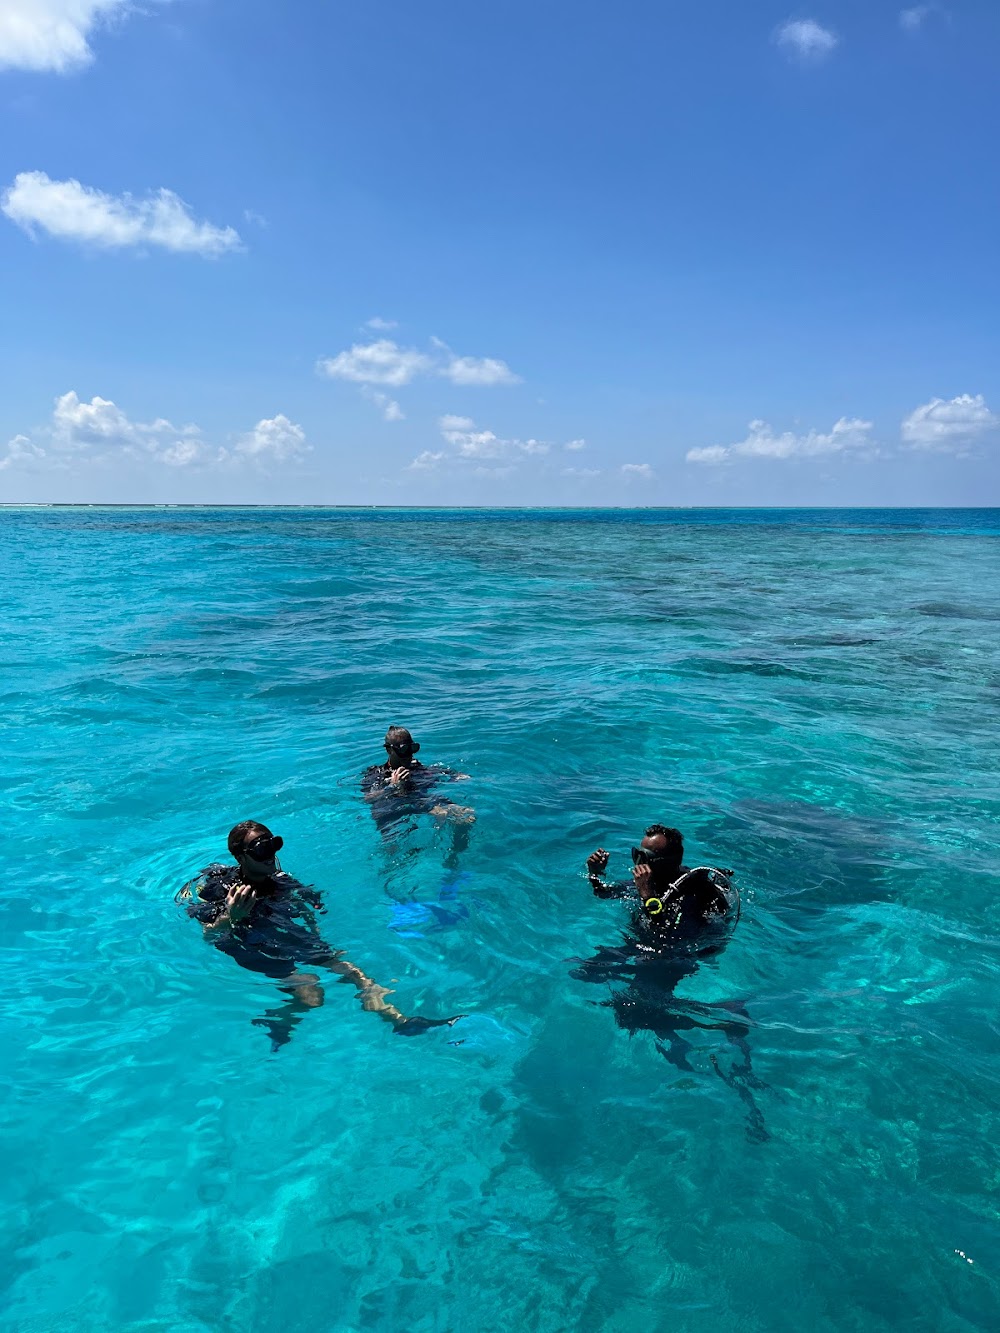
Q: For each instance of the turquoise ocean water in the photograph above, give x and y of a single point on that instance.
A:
(811, 696)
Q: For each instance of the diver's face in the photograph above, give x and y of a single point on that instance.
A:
(400, 755)
(655, 848)
(259, 852)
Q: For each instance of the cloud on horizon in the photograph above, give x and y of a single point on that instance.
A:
(69, 211)
(468, 442)
(475, 451)
(762, 441)
(948, 426)
(99, 431)
(273, 440)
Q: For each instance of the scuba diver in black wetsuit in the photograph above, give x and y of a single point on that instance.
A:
(402, 788)
(678, 917)
(266, 921)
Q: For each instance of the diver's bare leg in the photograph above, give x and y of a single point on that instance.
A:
(373, 1000)
(742, 1079)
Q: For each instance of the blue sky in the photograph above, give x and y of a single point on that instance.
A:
(661, 253)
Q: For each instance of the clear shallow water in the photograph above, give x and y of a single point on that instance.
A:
(812, 696)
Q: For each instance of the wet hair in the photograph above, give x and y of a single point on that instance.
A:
(675, 842)
(401, 737)
(238, 834)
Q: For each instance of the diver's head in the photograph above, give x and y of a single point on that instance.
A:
(255, 847)
(662, 849)
(400, 747)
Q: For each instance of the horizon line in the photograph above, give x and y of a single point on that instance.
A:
(196, 504)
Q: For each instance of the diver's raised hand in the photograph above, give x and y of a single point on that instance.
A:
(398, 775)
(597, 862)
(240, 902)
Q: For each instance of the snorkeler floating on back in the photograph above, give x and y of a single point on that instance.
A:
(266, 921)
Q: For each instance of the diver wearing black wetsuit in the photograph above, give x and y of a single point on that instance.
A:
(678, 916)
(402, 788)
(266, 921)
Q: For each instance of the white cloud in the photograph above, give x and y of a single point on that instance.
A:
(76, 423)
(476, 443)
(380, 362)
(20, 451)
(382, 325)
(805, 39)
(912, 20)
(99, 432)
(274, 439)
(470, 445)
(80, 427)
(637, 472)
(581, 473)
(574, 445)
(52, 34)
(948, 426)
(390, 409)
(712, 453)
(182, 453)
(427, 459)
(486, 371)
(70, 211)
(849, 433)
(385, 362)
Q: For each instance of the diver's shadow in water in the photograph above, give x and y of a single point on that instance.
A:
(280, 1021)
(647, 1003)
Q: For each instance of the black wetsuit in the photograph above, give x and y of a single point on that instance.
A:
(702, 909)
(395, 808)
(279, 934)
(660, 950)
(415, 795)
